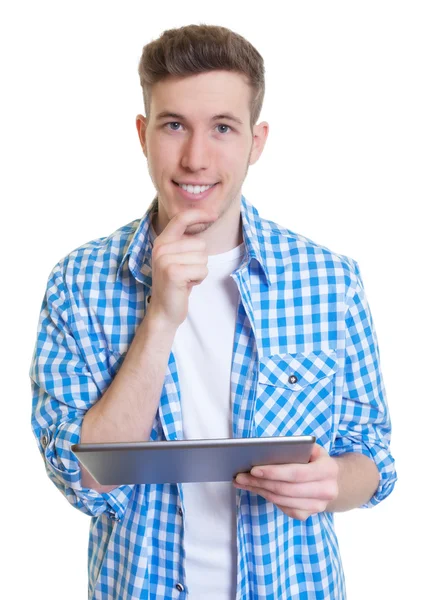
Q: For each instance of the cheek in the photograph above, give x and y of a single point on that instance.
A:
(235, 162)
(161, 154)
(160, 165)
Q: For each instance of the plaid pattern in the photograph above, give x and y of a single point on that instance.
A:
(305, 361)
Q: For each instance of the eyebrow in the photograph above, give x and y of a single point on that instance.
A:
(227, 116)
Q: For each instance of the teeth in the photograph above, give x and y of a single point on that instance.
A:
(195, 189)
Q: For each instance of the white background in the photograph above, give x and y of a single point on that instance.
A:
(342, 166)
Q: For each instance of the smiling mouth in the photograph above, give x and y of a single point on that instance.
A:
(196, 185)
(194, 192)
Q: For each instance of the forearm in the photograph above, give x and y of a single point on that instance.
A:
(358, 480)
(126, 411)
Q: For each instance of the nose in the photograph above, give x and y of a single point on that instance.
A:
(196, 153)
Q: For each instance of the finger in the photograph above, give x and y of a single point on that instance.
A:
(307, 504)
(292, 472)
(323, 490)
(187, 274)
(317, 452)
(299, 473)
(301, 515)
(177, 226)
(180, 246)
(184, 258)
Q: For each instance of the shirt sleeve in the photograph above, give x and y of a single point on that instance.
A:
(364, 424)
(63, 390)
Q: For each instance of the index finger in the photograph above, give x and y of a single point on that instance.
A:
(291, 472)
(177, 226)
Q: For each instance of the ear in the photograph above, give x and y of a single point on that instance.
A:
(260, 134)
(141, 126)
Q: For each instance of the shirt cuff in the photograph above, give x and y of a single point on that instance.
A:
(63, 468)
(382, 459)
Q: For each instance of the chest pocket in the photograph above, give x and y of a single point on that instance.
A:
(295, 395)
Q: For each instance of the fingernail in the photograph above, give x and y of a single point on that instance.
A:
(257, 472)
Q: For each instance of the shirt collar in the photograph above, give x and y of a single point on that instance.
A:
(139, 250)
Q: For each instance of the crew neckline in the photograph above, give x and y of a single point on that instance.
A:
(223, 257)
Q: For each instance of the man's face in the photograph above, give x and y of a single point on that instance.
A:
(199, 133)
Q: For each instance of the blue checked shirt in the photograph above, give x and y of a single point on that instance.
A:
(302, 311)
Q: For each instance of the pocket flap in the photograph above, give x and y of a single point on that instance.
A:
(296, 371)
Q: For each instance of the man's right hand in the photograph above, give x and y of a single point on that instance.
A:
(179, 262)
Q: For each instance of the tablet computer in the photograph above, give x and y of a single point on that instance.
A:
(184, 461)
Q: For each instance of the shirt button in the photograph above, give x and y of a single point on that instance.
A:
(179, 587)
(180, 512)
(292, 379)
(44, 441)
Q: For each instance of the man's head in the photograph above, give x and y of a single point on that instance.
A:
(203, 89)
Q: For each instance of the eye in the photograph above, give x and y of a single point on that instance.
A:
(222, 125)
(176, 123)
(173, 123)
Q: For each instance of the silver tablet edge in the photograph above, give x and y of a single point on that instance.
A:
(207, 443)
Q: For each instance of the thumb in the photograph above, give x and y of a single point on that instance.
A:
(317, 452)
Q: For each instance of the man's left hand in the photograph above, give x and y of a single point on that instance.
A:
(299, 490)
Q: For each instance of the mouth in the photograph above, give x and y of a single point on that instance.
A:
(191, 195)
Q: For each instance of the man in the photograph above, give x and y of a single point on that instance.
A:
(203, 320)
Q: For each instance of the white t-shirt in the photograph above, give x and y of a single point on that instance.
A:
(203, 348)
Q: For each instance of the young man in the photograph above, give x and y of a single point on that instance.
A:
(203, 320)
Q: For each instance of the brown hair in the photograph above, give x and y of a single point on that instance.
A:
(194, 49)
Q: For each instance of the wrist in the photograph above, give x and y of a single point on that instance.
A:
(157, 324)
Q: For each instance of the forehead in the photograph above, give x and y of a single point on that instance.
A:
(198, 96)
